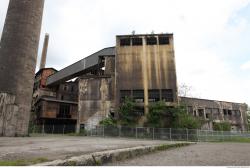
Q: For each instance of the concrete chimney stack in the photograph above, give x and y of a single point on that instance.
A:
(44, 52)
(18, 55)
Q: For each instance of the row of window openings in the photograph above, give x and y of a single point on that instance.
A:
(214, 112)
(149, 41)
(153, 95)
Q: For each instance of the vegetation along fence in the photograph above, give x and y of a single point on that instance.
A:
(145, 133)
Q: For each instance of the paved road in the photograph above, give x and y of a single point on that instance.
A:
(201, 154)
(61, 147)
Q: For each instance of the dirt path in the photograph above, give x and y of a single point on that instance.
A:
(202, 154)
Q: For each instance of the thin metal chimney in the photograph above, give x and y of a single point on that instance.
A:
(44, 52)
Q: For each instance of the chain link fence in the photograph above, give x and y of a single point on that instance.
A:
(143, 133)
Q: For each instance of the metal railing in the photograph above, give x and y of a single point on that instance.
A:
(169, 134)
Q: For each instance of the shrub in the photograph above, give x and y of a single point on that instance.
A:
(108, 122)
(223, 126)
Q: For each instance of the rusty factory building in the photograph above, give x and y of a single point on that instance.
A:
(139, 66)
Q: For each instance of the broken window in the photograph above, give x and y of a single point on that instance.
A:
(153, 95)
(136, 41)
(65, 88)
(124, 94)
(201, 112)
(167, 95)
(138, 96)
(72, 88)
(229, 112)
(151, 40)
(125, 42)
(139, 110)
(224, 111)
(64, 111)
(62, 97)
(163, 40)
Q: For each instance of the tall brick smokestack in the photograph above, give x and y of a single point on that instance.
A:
(18, 55)
(44, 53)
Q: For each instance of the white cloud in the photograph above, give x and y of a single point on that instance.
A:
(209, 49)
(245, 66)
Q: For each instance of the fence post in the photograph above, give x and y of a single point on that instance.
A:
(34, 127)
(119, 127)
(153, 133)
(103, 128)
(43, 129)
(63, 128)
(170, 134)
(197, 135)
(187, 134)
(53, 129)
(136, 132)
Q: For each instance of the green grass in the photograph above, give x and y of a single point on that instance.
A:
(238, 139)
(23, 162)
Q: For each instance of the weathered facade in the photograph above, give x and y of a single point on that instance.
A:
(145, 69)
(139, 66)
(18, 53)
(213, 111)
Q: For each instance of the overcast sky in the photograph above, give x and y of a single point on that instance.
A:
(212, 37)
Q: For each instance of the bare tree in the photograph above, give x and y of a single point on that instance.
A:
(184, 90)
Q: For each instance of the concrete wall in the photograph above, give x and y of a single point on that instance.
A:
(145, 67)
(217, 111)
(18, 54)
(94, 100)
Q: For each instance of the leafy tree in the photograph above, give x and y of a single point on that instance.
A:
(156, 111)
(176, 117)
(127, 113)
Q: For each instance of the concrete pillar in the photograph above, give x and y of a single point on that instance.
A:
(44, 53)
(18, 54)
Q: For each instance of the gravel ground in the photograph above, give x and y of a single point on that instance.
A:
(201, 154)
(62, 147)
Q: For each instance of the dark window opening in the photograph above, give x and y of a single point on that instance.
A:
(64, 111)
(139, 111)
(224, 111)
(62, 97)
(153, 95)
(125, 42)
(65, 88)
(230, 112)
(138, 96)
(72, 88)
(207, 116)
(151, 41)
(201, 112)
(112, 114)
(167, 95)
(124, 94)
(163, 40)
(136, 41)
